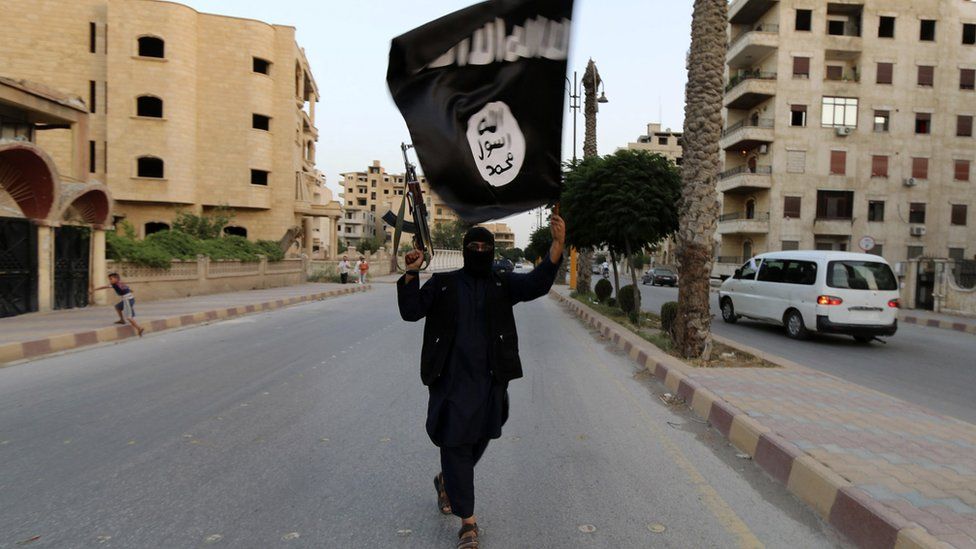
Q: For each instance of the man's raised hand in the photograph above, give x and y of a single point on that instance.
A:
(414, 260)
(558, 229)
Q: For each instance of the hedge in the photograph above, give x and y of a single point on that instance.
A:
(160, 249)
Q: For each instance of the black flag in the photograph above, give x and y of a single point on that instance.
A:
(482, 93)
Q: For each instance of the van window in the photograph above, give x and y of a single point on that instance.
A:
(861, 275)
(748, 271)
(800, 272)
(771, 270)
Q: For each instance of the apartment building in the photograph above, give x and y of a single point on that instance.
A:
(188, 111)
(368, 195)
(504, 235)
(664, 142)
(849, 126)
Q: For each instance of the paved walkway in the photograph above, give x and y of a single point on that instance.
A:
(938, 320)
(882, 471)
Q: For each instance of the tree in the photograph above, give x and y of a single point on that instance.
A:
(700, 166)
(539, 243)
(206, 226)
(449, 235)
(512, 254)
(624, 201)
(370, 245)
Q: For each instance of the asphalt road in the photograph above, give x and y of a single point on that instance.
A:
(303, 427)
(931, 367)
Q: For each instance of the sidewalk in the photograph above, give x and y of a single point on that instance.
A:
(36, 334)
(883, 472)
(937, 320)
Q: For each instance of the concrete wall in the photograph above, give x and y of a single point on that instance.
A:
(205, 276)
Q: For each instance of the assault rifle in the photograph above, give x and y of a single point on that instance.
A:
(413, 198)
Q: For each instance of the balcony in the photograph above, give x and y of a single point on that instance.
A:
(747, 134)
(748, 89)
(740, 223)
(744, 12)
(744, 179)
(833, 226)
(753, 45)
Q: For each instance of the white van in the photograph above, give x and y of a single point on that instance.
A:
(815, 291)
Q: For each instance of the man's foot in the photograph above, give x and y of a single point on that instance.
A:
(140, 331)
(443, 503)
(468, 537)
(122, 322)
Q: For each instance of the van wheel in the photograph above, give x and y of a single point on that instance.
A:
(728, 311)
(793, 321)
(863, 339)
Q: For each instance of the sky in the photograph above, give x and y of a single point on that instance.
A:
(639, 47)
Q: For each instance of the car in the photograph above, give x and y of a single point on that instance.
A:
(596, 268)
(815, 292)
(518, 266)
(664, 277)
(503, 266)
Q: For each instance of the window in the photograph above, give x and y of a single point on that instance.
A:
(235, 231)
(961, 170)
(259, 177)
(920, 168)
(839, 111)
(967, 79)
(261, 66)
(886, 27)
(92, 96)
(154, 227)
(835, 27)
(879, 166)
(885, 73)
(915, 252)
(91, 157)
(151, 46)
(968, 34)
(790, 245)
(772, 270)
(882, 121)
(916, 212)
(149, 106)
(923, 123)
(861, 275)
(926, 76)
(801, 67)
(834, 205)
(927, 30)
(798, 116)
(747, 271)
(149, 166)
(804, 20)
(791, 207)
(959, 214)
(877, 250)
(372, 196)
(799, 272)
(876, 210)
(261, 122)
(838, 162)
(835, 72)
(964, 126)
(957, 253)
(662, 140)
(91, 37)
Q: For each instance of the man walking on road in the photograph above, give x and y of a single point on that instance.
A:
(344, 267)
(470, 353)
(126, 308)
(363, 269)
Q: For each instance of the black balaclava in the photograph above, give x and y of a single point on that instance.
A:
(478, 264)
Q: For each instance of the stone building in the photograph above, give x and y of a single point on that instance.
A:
(665, 142)
(849, 126)
(189, 111)
(504, 235)
(368, 195)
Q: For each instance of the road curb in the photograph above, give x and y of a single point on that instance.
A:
(962, 327)
(23, 350)
(851, 511)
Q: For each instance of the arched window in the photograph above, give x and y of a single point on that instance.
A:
(236, 231)
(750, 209)
(152, 46)
(149, 166)
(156, 227)
(147, 105)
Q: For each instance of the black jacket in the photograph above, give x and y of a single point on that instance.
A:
(437, 301)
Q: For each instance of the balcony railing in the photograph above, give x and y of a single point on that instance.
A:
(729, 259)
(764, 123)
(758, 170)
(761, 27)
(741, 216)
(749, 75)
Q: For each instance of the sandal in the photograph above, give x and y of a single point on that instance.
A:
(468, 537)
(122, 322)
(443, 503)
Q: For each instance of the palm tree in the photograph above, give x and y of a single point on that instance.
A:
(591, 80)
(700, 167)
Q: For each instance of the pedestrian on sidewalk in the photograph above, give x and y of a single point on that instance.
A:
(126, 307)
(469, 355)
(363, 269)
(344, 268)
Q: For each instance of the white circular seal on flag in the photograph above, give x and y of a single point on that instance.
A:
(497, 143)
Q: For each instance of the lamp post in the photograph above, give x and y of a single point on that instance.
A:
(580, 265)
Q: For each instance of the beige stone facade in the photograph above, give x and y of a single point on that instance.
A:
(368, 195)
(664, 142)
(849, 123)
(188, 110)
(504, 235)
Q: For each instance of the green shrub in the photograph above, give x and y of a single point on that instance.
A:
(612, 302)
(140, 252)
(178, 244)
(271, 250)
(603, 289)
(328, 274)
(231, 247)
(627, 300)
(669, 312)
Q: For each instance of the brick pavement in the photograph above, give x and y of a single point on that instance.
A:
(885, 473)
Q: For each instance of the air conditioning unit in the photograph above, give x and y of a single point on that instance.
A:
(918, 231)
(844, 131)
(911, 182)
(763, 149)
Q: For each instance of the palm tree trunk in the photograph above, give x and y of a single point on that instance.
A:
(616, 275)
(633, 280)
(699, 212)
